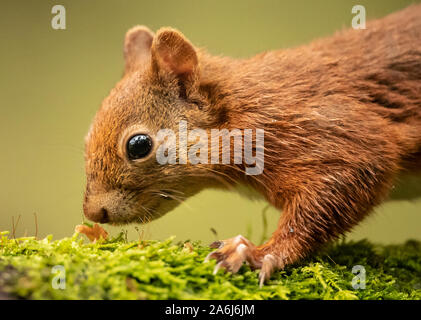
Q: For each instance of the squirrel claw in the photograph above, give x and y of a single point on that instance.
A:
(217, 267)
(212, 255)
(262, 278)
(269, 264)
(232, 253)
(217, 244)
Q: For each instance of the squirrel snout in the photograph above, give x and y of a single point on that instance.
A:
(96, 213)
(104, 207)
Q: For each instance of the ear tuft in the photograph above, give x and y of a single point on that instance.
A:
(172, 52)
(137, 47)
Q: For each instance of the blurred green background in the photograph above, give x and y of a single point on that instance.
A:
(53, 81)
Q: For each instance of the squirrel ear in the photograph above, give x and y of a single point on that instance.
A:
(137, 47)
(172, 52)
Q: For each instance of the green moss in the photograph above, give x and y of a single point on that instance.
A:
(119, 269)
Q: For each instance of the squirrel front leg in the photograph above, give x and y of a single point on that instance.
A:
(311, 217)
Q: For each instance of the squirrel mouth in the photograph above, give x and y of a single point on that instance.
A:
(105, 217)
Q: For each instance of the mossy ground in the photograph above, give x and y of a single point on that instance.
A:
(118, 269)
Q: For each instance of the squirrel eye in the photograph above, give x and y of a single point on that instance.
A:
(139, 146)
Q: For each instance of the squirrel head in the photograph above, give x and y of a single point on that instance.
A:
(159, 88)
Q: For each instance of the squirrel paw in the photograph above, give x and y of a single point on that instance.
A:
(232, 253)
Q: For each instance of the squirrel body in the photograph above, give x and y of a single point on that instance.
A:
(342, 123)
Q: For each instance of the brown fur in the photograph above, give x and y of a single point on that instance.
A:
(342, 120)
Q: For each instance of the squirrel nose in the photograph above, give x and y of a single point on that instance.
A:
(96, 214)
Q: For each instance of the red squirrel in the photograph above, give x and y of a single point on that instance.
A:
(341, 119)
